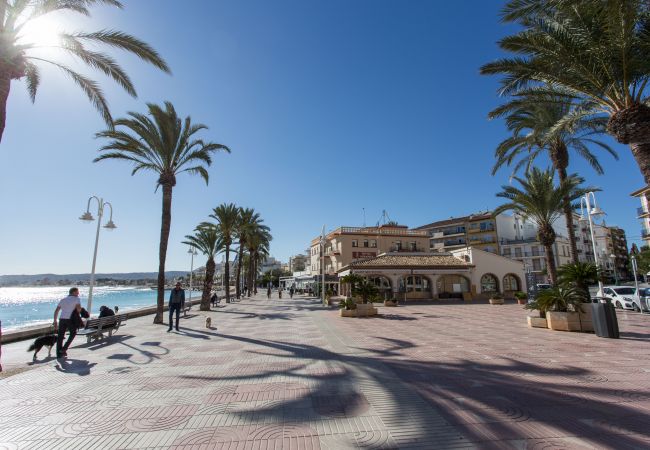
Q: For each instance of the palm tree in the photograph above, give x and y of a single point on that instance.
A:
(539, 124)
(596, 50)
(207, 240)
(258, 241)
(542, 202)
(20, 58)
(579, 275)
(168, 146)
(227, 216)
(249, 221)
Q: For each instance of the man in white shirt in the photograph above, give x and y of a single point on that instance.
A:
(66, 306)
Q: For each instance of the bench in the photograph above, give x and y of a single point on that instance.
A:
(95, 328)
(186, 307)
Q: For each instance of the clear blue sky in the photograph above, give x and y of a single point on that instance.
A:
(329, 107)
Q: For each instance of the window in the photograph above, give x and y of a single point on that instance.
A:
(416, 284)
(365, 243)
(537, 264)
(398, 245)
(373, 243)
(489, 283)
(517, 252)
(413, 246)
(510, 283)
(506, 252)
(355, 243)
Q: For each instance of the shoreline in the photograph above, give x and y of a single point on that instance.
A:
(32, 331)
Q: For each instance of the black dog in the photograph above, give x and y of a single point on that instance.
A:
(43, 341)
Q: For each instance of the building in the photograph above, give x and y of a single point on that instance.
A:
(467, 273)
(347, 244)
(643, 212)
(299, 262)
(476, 230)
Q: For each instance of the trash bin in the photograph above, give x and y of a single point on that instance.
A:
(604, 318)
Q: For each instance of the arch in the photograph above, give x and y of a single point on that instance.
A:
(511, 283)
(452, 285)
(489, 283)
(415, 286)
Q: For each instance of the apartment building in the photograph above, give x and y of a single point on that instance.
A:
(476, 230)
(643, 212)
(347, 244)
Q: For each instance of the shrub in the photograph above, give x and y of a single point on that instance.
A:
(348, 304)
(519, 295)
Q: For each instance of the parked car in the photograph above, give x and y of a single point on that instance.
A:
(623, 297)
(644, 293)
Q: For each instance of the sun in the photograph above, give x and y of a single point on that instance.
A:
(41, 32)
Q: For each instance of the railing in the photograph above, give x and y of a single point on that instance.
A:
(482, 241)
(407, 250)
(449, 232)
(645, 233)
(641, 211)
(522, 254)
(382, 231)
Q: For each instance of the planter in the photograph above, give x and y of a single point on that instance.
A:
(563, 321)
(522, 301)
(389, 303)
(586, 318)
(366, 309)
(348, 312)
(496, 301)
(537, 322)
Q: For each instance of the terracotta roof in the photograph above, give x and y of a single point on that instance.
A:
(425, 260)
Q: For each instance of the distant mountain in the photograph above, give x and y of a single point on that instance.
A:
(84, 277)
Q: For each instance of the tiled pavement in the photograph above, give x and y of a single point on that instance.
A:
(285, 374)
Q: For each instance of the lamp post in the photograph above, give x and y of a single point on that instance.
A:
(192, 251)
(591, 212)
(634, 269)
(88, 217)
(322, 265)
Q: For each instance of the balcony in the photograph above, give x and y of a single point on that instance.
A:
(382, 231)
(642, 211)
(396, 249)
(645, 233)
(490, 240)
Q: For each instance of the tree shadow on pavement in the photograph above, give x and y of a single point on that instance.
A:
(501, 399)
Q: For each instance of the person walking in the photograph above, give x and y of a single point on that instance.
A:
(214, 299)
(268, 292)
(176, 302)
(291, 292)
(66, 307)
(279, 292)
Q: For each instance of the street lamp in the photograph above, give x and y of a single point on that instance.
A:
(594, 211)
(88, 217)
(636, 282)
(192, 251)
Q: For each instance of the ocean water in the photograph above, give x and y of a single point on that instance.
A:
(23, 306)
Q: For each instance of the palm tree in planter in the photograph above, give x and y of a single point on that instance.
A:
(546, 123)
(258, 241)
(541, 201)
(579, 275)
(247, 224)
(353, 280)
(167, 145)
(226, 216)
(596, 50)
(207, 240)
(562, 307)
(22, 54)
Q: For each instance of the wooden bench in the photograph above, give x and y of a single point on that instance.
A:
(95, 328)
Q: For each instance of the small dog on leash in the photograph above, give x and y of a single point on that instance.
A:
(208, 322)
(48, 341)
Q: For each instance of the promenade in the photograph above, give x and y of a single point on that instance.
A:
(290, 374)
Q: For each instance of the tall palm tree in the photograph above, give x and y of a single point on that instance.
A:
(597, 50)
(207, 240)
(258, 241)
(227, 217)
(541, 201)
(539, 124)
(249, 221)
(20, 57)
(165, 144)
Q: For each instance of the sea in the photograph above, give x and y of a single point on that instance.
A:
(26, 306)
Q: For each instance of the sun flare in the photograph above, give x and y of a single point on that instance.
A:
(41, 32)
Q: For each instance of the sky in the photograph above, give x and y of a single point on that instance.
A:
(330, 108)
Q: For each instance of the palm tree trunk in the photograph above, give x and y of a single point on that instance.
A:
(5, 86)
(641, 152)
(256, 269)
(251, 274)
(551, 269)
(226, 274)
(210, 267)
(560, 159)
(162, 253)
(239, 260)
